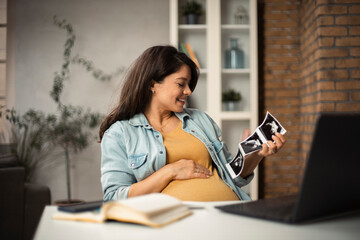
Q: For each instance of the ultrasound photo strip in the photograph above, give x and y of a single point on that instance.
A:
(251, 144)
(254, 142)
(269, 127)
(236, 166)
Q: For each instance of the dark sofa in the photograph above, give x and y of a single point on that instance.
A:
(21, 203)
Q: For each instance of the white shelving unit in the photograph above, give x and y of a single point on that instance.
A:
(209, 39)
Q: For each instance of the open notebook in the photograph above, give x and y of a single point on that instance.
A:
(331, 181)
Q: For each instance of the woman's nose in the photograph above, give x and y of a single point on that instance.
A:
(187, 90)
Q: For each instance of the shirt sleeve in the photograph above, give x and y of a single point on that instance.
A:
(239, 181)
(116, 176)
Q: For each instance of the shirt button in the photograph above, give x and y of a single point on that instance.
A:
(146, 125)
(192, 131)
(157, 136)
(161, 152)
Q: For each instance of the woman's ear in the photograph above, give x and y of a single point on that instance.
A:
(152, 86)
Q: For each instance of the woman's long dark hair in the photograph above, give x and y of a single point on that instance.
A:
(153, 65)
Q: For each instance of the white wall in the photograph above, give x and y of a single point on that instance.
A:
(112, 33)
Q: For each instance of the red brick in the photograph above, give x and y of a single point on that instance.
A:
(348, 63)
(348, 107)
(330, 53)
(308, 108)
(285, 170)
(335, 9)
(326, 41)
(281, 84)
(334, 96)
(325, 63)
(325, 20)
(355, 96)
(282, 24)
(308, 53)
(326, 85)
(294, 15)
(284, 41)
(281, 7)
(326, 107)
(347, 20)
(355, 31)
(294, 67)
(282, 102)
(287, 110)
(354, 9)
(347, 85)
(281, 32)
(309, 99)
(309, 39)
(355, 74)
(286, 93)
(332, 74)
(348, 41)
(355, 52)
(287, 76)
(281, 162)
(282, 59)
(275, 16)
(281, 179)
(276, 51)
(332, 31)
(276, 67)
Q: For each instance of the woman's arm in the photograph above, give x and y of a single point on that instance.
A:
(179, 170)
(268, 149)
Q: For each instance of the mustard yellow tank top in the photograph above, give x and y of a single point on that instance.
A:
(182, 145)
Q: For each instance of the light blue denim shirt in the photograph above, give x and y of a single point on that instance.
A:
(131, 150)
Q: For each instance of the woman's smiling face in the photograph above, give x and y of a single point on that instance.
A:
(171, 93)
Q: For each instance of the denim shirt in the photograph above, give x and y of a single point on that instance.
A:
(131, 150)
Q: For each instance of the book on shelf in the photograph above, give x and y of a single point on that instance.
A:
(187, 49)
(154, 210)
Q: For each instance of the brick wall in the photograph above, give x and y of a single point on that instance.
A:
(330, 46)
(281, 74)
(311, 64)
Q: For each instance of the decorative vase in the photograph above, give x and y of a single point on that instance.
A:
(191, 19)
(241, 16)
(234, 57)
(230, 105)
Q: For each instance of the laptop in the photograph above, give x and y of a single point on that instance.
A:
(331, 181)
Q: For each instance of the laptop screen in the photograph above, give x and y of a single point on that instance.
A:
(331, 182)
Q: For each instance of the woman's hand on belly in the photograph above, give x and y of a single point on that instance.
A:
(188, 169)
(179, 170)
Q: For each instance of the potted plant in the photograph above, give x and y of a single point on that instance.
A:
(26, 137)
(191, 10)
(230, 99)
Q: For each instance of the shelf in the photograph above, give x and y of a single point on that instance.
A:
(235, 71)
(194, 27)
(235, 115)
(235, 26)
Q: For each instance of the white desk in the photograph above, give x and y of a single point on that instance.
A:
(207, 223)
